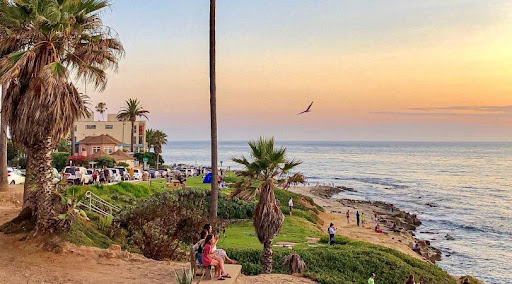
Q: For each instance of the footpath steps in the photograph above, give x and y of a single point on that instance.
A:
(232, 269)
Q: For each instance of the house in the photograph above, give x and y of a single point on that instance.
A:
(91, 145)
(120, 130)
(122, 157)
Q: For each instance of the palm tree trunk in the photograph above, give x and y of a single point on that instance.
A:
(213, 115)
(46, 219)
(30, 186)
(3, 146)
(266, 257)
(132, 132)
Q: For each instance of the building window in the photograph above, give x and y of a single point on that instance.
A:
(90, 126)
(75, 127)
(96, 149)
(109, 126)
(141, 139)
(109, 149)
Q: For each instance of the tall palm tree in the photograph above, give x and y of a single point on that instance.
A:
(41, 43)
(130, 112)
(101, 107)
(267, 165)
(160, 138)
(213, 115)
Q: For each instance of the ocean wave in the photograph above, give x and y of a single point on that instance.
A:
(471, 228)
(388, 182)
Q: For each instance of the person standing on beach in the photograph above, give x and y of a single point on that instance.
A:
(372, 279)
(290, 204)
(363, 219)
(357, 217)
(348, 216)
(332, 232)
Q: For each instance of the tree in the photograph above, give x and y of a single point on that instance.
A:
(101, 108)
(59, 160)
(213, 115)
(267, 165)
(160, 138)
(63, 145)
(150, 138)
(43, 42)
(105, 162)
(130, 112)
(3, 146)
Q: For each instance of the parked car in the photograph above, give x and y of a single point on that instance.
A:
(15, 176)
(116, 176)
(155, 174)
(70, 176)
(137, 174)
(56, 177)
(125, 175)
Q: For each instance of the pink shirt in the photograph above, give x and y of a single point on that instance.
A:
(206, 251)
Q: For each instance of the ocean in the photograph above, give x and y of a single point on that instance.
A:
(460, 189)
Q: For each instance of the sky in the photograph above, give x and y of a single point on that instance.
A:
(376, 70)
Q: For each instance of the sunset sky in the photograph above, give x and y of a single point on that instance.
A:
(377, 70)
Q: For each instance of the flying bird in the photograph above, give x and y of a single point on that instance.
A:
(307, 110)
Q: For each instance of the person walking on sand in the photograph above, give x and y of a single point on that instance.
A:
(348, 216)
(290, 204)
(372, 279)
(363, 219)
(357, 218)
(332, 232)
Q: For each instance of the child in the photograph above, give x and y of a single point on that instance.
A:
(209, 259)
(363, 219)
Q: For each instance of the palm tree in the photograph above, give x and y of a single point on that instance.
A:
(130, 112)
(267, 165)
(150, 140)
(101, 107)
(41, 43)
(213, 115)
(160, 138)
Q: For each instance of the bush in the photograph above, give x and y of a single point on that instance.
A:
(235, 208)
(105, 161)
(159, 225)
(351, 263)
(59, 160)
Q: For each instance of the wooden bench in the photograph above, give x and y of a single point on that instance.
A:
(205, 272)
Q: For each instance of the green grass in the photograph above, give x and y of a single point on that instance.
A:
(346, 263)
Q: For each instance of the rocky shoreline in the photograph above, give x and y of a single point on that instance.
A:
(393, 221)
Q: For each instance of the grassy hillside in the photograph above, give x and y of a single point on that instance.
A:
(348, 262)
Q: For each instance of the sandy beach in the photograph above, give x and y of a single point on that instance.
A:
(335, 213)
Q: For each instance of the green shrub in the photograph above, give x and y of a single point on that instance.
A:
(160, 224)
(351, 263)
(235, 208)
(59, 160)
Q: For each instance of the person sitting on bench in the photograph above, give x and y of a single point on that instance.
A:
(208, 258)
(219, 253)
(198, 247)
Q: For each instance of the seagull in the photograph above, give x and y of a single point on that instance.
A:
(307, 110)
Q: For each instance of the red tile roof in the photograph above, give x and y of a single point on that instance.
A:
(101, 139)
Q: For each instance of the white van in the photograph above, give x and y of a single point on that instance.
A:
(70, 176)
